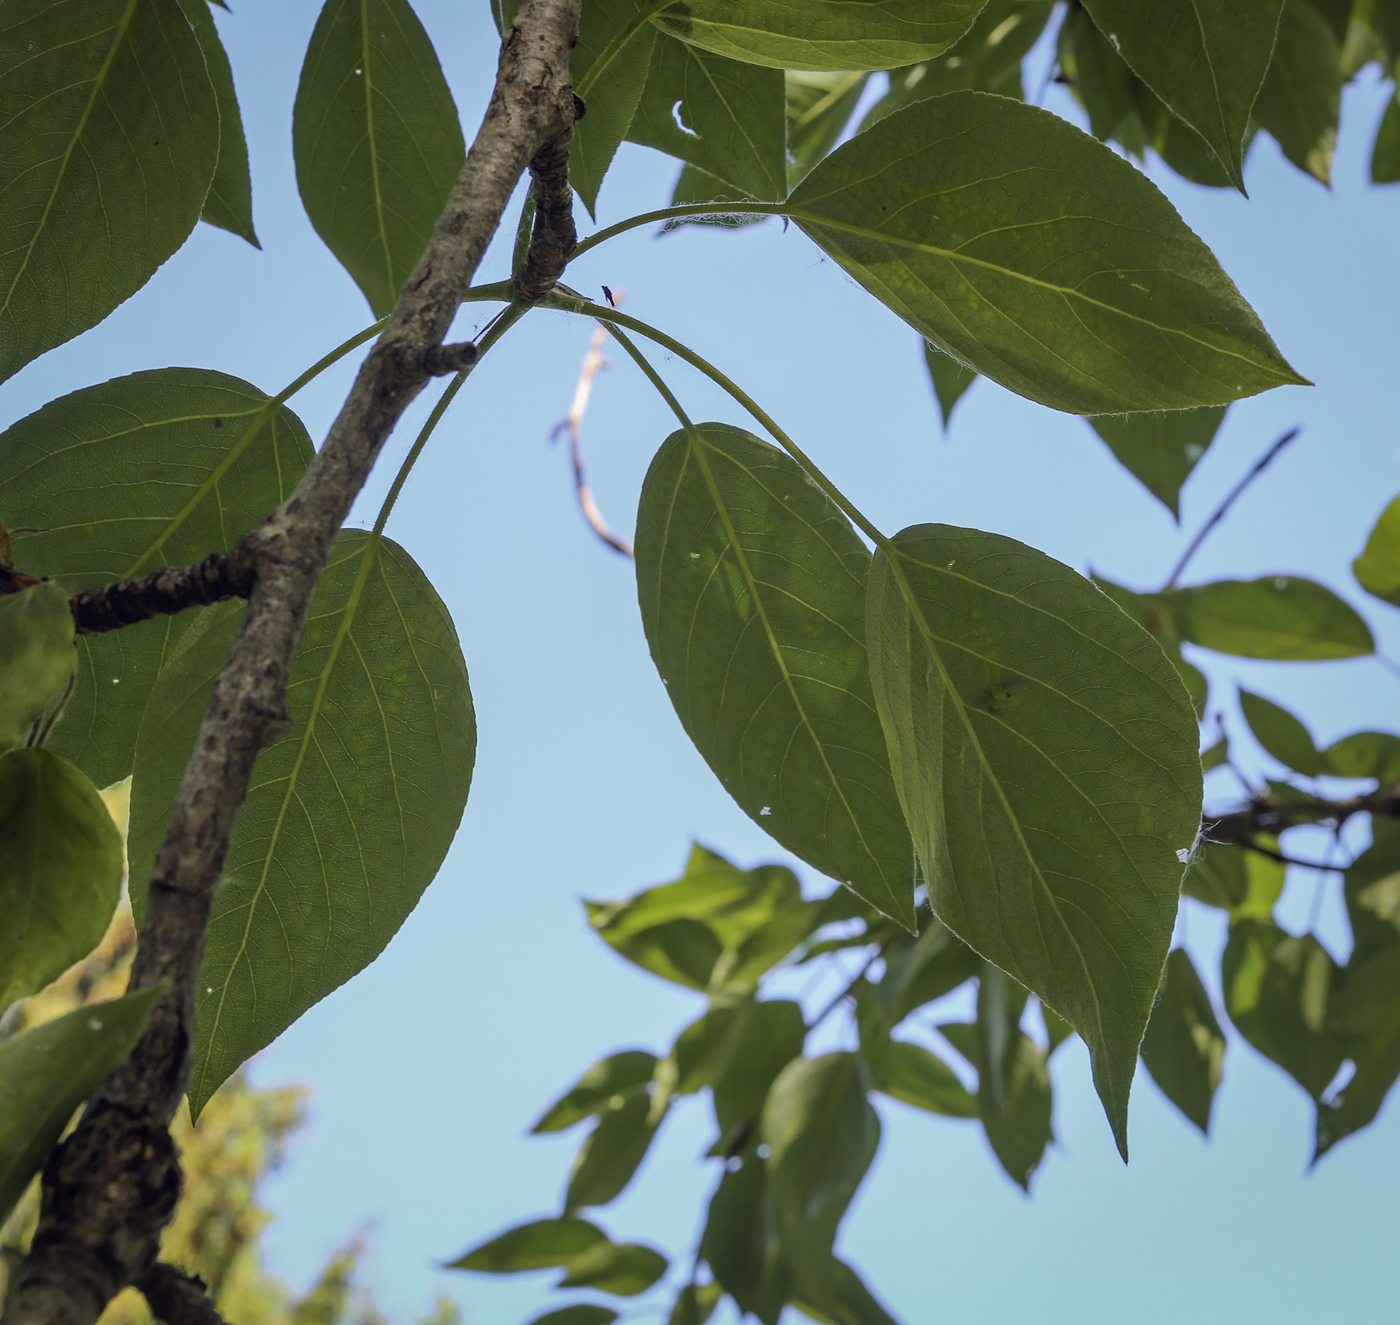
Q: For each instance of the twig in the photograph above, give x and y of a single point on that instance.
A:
(1291, 860)
(593, 363)
(165, 592)
(177, 1298)
(849, 989)
(1222, 510)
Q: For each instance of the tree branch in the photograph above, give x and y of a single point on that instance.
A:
(166, 592)
(112, 1185)
(1265, 813)
(177, 1298)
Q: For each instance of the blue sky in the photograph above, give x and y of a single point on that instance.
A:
(429, 1067)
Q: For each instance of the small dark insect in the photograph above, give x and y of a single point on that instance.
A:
(607, 294)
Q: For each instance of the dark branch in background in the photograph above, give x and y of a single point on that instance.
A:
(1265, 813)
(166, 592)
(177, 1298)
(111, 1186)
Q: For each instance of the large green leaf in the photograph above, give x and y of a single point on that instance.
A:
(1037, 256)
(1161, 450)
(1301, 99)
(626, 1073)
(614, 1149)
(540, 1245)
(751, 585)
(727, 118)
(376, 140)
(60, 870)
(1184, 1048)
(348, 817)
(1045, 753)
(1377, 569)
(36, 656)
(111, 136)
(229, 204)
(47, 1072)
(1365, 755)
(1205, 61)
(821, 34)
(1153, 614)
(1283, 617)
(156, 469)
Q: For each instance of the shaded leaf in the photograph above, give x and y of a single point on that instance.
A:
(1102, 83)
(36, 656)
(950, 379)
(1377, 569)
(1365, 755)
(347, 818)
(821, 34)
(1243, 882)
(624, 1268)
(1062, 273)
(740, 1244)
(60, 870)
(850, 1303)
(612, 1153)
(681, 951)
(770, 1037)
(1160, 450)
(376, 141)
(819, 107)
(1184, 1048)
(1372, 891)
(540, 1245)
(915, 1076)
(751, 586)
(1216, 755)
(1046, 758)
(924, 970)
(1300, 101)
(1014, 1098)
(1284, 617)
(1385, 150)
(581, 1313)
(111, 135)
(47, 1072)
(695, 1304)
(1282, 735)
(155, 469)
(623, 1073)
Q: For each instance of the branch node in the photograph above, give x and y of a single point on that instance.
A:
(442, 360)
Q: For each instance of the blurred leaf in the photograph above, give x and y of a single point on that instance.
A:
(156, 469)
(1282, 617)
(819, 107)
(1215, 756)
(624, 1268)
(914, 1076)
(1036, 733)
(540, 1245)
(1385, 151)
(60, 870)
(581, 1313)
(610, 1156)
(1155, 617)
(681, 951)
(47, 1072)
(1206, 63)
(111, 135)
(702, 1049)
(739, 1244)
(1243, 882)
(1372, 890)
(1062, 273)
(1377, 569)
(1365, 755)
(36, 656)
(950, 379)
(376, 141)
(624, 1073)
(1102, 83)
(1057, 1029)
(770, 1037)
(1160, 450)
(348, 816)
(1014, 1098)
(695, 1304)
(822, 1135)
(1301, 97)
(727, 118)
(821, 34)
(752, 588)
(1282, 735)
(851, 1303)
(922, 970)
(756, 955)
(229, 204)
(1184, 1048)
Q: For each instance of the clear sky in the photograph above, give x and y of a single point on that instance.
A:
(429, 1067)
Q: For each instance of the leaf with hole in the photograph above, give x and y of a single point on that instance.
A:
(1283, 617)
(376, 140)
(347, 817)
(1160, 450)
(111, 137)
(1038, 257)
(156, 469)
(1184, 1048)
(37, 656)
(751, 586)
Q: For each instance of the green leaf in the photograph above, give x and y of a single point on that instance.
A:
(612, 95)
(540, 1245)
(1243, 882)
(1277, 992)
(819, 107)
(914, 1076)
(822, 1134)
(155, 469)
(581, 1313)
(1102, 83)
(739, 1243)
(614, 1149)
(1385, 151)
(850, 1303)
(770, 1037)
(694, 185)
(60, 870)
(1372, 890)
(1365, 755)
(681, 951)
(1300, 101)
(1060, 272)
(1206, 62)
(111, 135)
(821, 34)
(47, 1072)
(695, 1304)
(624, 1268)
(229, 204)
(924, 970)
(950, 379)
(348, 816)
(625, 1073)
(1153, 613)
(1184, 1048)
(36, 656)
(751, 585)
(1160, 450)
(1283, 617)
(1215, 756)
(1282, 735)
(727, 118)
(1046, 757)
(1377, 569)
(376, 140)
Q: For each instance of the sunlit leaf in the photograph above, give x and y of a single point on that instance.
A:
(819, 107)
(1377, 569)
(610, 1156)
(770, 1037)
(1301, 99)
(540, 1245)
(624, 1268)
(1283, 617)
(1243, 882)
(914, 1076)
(1282, 735)
(1060, 271)
(36, 656)
(950, 379)
(111, 135)
(376, 141)
(1046, 757)
(1160, 450)
(625, 1073)
(1184, 1048)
